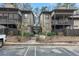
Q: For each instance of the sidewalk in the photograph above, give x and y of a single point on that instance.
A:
(34, 43)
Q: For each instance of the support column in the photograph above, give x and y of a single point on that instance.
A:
(72, 27)
(3, 28)
(17, 25)
(43, 24)
(63, 24)
(7, 23)
(54, 24)
(73, 23)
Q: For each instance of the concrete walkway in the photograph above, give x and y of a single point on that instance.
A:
(33, 43)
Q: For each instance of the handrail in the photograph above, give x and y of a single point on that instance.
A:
(61, 21)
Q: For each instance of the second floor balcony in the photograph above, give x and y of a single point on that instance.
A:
(62, 22)
(6, 21)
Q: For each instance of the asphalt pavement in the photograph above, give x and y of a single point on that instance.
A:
(21, 50)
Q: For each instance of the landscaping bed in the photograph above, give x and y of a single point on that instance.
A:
(16, 39)
(21, 37)
(59, 39)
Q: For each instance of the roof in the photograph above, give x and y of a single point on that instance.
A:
(8, 9)
(26, 11)
(14, 9)
(64, 9)
(49, 12)
(45, 12)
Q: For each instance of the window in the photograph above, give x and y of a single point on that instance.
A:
(26, 16)
(16, 16)
(10, 16)
(47, 17)
(1, 16)
(5, 16)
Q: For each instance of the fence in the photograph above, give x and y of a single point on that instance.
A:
(71, 32)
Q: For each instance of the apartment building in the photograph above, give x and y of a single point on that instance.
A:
(45, 21)
(74, 28)
(28, 20)
(11, 17)
(62, 20)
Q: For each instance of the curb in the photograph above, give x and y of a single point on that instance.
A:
(41, 44)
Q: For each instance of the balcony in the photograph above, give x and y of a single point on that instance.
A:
(4, 21)
(12, 22)
(61, 22)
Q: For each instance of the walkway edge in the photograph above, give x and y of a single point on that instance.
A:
(42, 44)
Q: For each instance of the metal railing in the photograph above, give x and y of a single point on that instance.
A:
(4, 21)
(61, 22)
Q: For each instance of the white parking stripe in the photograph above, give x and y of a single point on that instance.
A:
(67, 52)
(35, 50)
(74, 52)
(26, 51)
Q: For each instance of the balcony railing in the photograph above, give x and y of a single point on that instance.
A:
(61, 22)
(4, 21)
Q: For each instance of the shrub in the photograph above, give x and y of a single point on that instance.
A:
(10, 32)
(26, 34)
(51, 33)
(48, 34)
(31, 34)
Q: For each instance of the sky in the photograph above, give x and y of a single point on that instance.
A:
(39, 5)
(49, 5)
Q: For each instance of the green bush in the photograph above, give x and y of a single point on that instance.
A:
(48, 34)
(31, 34)
(26, 34)
(51, 33)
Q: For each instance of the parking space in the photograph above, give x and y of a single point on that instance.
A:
(50, 52)
(30, 51)
(39, 51)
(53, 51)
(12, 51)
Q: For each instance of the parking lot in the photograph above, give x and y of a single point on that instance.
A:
(39, 51)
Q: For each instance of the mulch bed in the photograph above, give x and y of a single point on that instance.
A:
(16, 39)
(66, 39)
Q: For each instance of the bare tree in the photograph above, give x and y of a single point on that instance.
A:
(66, 5)
(44, 8)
